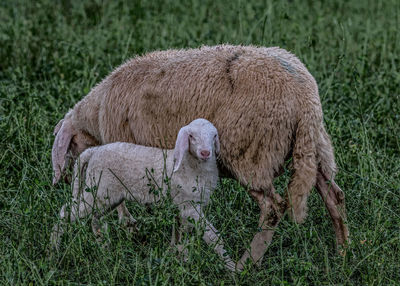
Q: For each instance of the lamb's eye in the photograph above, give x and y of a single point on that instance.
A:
(190, 136)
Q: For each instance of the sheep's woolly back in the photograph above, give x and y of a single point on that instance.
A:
(256, 97)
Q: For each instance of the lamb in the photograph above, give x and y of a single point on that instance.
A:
(263, 101)
(119, 170)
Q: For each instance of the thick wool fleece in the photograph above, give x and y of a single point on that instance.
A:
(263, 101)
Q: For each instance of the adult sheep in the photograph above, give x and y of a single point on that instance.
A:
(263, 101)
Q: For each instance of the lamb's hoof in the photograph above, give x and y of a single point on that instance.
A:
(51, 252)
(105, 245)
(231, 266)
(130, 224)
(183, 251)
(132, 228)
(54, 247)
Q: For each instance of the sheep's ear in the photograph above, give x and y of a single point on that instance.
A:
(217, 145)
(181, 147)
(80, 142)
(58, 126)
(61, 146)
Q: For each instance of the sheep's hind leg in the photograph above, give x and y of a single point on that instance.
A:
(272, 207)
(333, 198)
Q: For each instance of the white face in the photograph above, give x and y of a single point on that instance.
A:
(199, 138)
(202, 141)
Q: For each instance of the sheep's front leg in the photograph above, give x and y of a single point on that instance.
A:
(272, 208)
(333, 198)
(210, 235)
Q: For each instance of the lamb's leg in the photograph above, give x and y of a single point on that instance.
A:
(176, 236)
(176, 239)
(79, 209)
(333, 198)
(272, 208)
(98, 227)
(105, 202)
(125, 218)
(210, 235)
(58, 229)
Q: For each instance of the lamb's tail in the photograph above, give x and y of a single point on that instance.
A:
(80, 170)
(304, 165)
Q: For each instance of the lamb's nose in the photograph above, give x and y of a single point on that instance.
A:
(205, 153)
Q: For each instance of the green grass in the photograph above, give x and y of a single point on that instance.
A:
(53, 52)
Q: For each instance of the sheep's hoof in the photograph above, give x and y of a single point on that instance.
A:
(342, 250)
(342, 247)
(240, 265)
(245, 260)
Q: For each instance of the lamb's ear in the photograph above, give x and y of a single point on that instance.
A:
(181, 147)
(60, 148)
(217, 145)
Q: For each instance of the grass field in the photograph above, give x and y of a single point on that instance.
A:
(53, 52)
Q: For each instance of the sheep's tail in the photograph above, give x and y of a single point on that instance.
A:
(80, 171)
(304, 165)
(326, 157)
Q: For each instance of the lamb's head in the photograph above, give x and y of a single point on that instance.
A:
(69, 140)
(200, 139)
